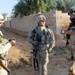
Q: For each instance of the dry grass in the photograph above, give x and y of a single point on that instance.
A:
(18, 57)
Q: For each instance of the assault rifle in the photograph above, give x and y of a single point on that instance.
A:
(36, 37)
(36, 59)
(4, 66)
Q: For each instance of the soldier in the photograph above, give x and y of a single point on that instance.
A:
(5, 45)
(3, 52)
(70, 34)
(42, 38)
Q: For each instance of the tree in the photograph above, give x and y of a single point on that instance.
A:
(51, 5)
(21, 9)
(65, 5)
(27, 7)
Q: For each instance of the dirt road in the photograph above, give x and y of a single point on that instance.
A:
(20, 53)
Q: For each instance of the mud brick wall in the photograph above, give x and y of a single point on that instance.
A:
(55, 20)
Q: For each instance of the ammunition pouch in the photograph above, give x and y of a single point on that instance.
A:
(36, 59)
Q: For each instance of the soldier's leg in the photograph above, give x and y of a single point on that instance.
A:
(44, 64)
(74, 61)
(69, 56)
(69, 59)
(72, 66)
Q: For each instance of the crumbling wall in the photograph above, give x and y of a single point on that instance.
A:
(56, 20)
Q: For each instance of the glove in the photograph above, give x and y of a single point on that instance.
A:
(49, 51)
(49, 48)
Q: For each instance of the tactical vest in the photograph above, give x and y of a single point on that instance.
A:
(44, 38)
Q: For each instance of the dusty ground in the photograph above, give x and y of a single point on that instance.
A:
(19, 56)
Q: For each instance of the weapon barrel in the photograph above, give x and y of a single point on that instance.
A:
(4, 67)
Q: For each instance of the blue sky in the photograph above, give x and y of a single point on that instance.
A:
(6, 6)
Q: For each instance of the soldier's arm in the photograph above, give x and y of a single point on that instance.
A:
(71, 31)
(31, 37)
(5, 48)
(69, 27)
(73, 28)
(68, 31)
(53, 38)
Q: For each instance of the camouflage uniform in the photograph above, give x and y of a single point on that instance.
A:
(45, 45)
(71, 51)
(2, 56)
(71, 47)
(71, 41)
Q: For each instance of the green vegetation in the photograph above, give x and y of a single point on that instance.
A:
(27, 7)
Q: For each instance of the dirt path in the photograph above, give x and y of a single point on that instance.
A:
(21, 52)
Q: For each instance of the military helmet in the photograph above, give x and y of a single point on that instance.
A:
(71, 11)
(40, 18)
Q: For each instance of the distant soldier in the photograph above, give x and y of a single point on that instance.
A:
(70, 34)
(43, 40)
